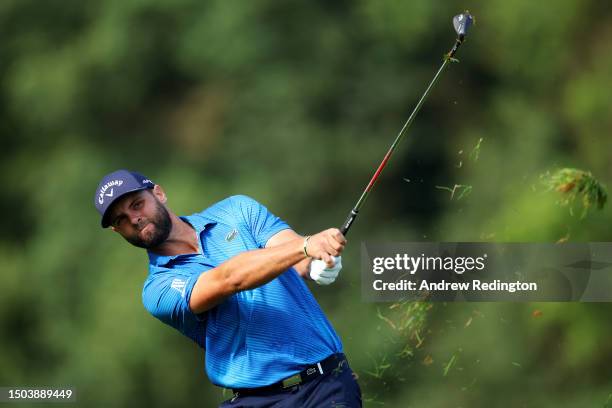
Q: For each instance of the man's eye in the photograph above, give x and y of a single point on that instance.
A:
(138, 204)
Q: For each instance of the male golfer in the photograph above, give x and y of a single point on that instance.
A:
(231, 278)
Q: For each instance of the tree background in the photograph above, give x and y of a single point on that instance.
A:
(295, 103)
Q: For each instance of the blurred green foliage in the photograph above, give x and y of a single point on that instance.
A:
(294, 103)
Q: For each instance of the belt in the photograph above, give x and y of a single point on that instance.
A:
(309, 373)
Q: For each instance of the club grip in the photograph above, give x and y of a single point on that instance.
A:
(349, 221)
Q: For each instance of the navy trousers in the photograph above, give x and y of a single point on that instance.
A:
(336, 389)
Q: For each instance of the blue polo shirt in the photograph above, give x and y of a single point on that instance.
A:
(255, 337)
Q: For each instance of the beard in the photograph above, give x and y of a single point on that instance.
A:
(158, 234)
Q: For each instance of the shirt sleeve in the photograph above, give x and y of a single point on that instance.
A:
(261, 222)
(166, 296)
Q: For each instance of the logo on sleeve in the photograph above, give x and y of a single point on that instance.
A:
(179, 284)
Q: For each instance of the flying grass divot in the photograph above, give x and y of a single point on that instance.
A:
(576, 186)
(459, 191)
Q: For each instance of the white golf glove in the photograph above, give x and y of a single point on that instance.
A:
(320, 273)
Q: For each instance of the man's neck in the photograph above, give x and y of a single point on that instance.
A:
(183, 239)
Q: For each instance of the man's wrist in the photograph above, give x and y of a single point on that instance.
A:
(305, 247)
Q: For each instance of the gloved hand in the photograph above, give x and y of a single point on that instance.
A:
(320, 273)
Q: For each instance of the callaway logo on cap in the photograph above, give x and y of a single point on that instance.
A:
(116, 185)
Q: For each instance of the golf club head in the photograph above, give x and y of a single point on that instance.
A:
(462, 23)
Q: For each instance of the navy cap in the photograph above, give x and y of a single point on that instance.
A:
(116, 185)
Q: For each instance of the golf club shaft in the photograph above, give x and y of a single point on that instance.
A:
(355, 211)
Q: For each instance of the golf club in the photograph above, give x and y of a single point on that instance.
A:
(462, 23)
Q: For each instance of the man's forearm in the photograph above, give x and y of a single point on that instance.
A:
(302, 267)
(245, 271)
(255, 268)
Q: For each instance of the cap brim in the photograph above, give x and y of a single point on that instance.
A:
(105, 222)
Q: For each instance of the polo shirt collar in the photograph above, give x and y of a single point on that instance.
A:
(198, 222)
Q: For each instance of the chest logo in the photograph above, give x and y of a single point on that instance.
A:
(233, 234)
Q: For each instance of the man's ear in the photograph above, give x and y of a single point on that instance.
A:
(113, 228)
(159, 192)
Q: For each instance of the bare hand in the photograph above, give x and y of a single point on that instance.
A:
(326, 244)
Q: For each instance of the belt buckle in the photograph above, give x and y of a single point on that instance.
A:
(291, 381)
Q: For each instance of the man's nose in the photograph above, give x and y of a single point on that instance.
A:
(135, 218)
